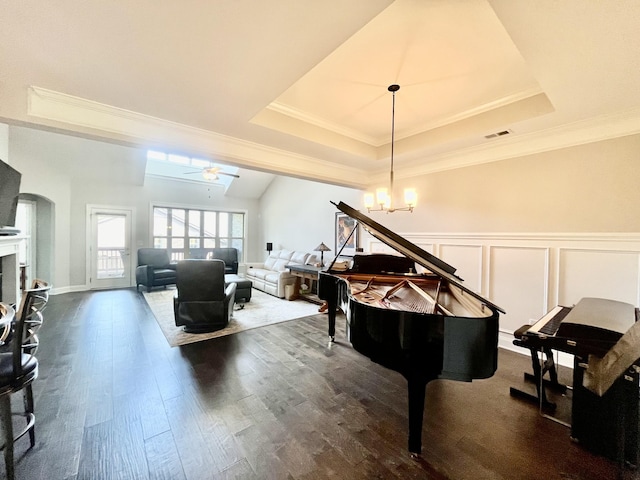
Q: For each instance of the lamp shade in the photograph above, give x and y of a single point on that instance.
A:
(269, 246)
(322, 248)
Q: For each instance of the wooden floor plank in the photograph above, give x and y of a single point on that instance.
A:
(163, 458)
(114, 400)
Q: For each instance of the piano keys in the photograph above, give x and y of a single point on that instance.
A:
(426, 326)
(548, 325)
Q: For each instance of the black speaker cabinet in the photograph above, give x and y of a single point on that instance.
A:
(607, 425)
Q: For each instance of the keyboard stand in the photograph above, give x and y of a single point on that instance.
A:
(542, 362)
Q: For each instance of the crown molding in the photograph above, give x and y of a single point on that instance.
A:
(304, 117)
(80, 112)
(619, 239)
(596, 129)
(141, 128)
(473, 112)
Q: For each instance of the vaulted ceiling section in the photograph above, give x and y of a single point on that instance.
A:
(300, 88)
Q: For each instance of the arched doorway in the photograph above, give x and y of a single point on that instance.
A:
(35, 219)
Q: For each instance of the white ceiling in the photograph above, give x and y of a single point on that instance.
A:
(300, 88)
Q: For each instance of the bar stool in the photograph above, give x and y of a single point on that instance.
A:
(19, 366)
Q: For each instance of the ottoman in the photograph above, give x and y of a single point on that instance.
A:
(243, 286)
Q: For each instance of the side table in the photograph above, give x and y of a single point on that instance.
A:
(306, 272)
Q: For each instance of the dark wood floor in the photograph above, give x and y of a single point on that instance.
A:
(114, 401)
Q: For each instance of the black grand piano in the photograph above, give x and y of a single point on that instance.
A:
(425, 325)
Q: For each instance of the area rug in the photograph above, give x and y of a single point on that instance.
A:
(262, 310)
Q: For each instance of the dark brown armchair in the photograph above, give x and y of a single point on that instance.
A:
(154, 268)
(202, 303)
(227, 254)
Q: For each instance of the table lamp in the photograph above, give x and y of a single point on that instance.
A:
(322, 248)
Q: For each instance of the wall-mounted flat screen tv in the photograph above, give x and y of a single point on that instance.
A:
(9, 190)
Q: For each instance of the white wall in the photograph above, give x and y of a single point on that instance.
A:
(73, 172)
(588, 188)
(4, 143)
(37, 163)
(297, 214)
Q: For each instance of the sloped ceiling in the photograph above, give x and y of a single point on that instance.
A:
(300, 88)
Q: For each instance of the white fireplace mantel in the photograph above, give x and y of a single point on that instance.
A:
(9, 248)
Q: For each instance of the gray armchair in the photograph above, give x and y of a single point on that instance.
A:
(154, 268)
(202, 303)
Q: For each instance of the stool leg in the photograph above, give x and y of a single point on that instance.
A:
(538, 375)
(29, 410)
(550, 366)
(7, 426)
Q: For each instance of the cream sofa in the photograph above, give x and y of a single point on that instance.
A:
(272, 276)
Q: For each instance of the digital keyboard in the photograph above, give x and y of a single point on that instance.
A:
(592, 326)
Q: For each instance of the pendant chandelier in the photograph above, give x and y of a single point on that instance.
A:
(383, 199)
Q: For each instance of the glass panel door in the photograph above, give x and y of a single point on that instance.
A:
(110, 249)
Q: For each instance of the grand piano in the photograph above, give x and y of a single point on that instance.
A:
(423, 324)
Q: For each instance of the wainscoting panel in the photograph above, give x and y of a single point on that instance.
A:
(598, 273)
(518, 282)
(529, 274)
(467, 259)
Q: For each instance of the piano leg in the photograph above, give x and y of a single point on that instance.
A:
(332, 306)
(417, 385)
(417, 389)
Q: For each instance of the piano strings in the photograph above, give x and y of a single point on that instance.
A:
(411, 297)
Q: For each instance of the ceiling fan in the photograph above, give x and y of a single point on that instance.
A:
(211, 173)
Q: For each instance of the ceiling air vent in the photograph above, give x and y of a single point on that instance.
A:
(498, 134)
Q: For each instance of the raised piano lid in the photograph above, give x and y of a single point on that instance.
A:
(408, 249)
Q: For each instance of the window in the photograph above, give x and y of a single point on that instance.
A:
(191, 169)
(176, 159)
(182, 229)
